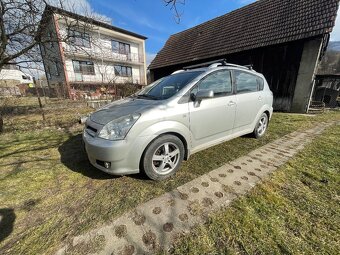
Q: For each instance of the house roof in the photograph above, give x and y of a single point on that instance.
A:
(53, 9)
(262, 23)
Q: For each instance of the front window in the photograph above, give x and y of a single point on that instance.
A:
(124, 71)
(78, 38)
(219, 82)
(83, 67)
(121, 48)
(168, 86)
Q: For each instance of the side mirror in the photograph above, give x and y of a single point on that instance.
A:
(202, 94)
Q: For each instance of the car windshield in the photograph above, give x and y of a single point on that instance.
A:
(166, 87)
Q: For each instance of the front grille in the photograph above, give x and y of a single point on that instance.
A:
(91, 128)
(91, 131)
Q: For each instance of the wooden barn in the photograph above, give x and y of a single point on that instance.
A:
(283, 39)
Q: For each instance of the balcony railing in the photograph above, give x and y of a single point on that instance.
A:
(93, 79)
(106, 55)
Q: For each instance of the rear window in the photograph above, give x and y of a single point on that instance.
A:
(246, 82)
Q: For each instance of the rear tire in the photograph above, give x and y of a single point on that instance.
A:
(163, 157)
(261, 126)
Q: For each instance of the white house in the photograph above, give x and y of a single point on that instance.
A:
(79, 51)
(13, 73)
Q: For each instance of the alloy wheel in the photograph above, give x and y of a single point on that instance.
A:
(165, 158)
(262, 126)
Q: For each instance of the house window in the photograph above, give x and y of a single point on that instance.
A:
(121, 48)
(83, 67)
(124, 71)
(78, 38)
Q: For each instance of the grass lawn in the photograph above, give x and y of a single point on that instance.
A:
(49, 192)
(296, 211)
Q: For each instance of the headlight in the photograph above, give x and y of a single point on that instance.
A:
(117, 129)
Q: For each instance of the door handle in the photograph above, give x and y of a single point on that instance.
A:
(260, 98)
(231, 103)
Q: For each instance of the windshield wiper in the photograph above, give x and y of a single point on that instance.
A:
(147, 96)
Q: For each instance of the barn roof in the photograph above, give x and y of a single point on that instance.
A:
(262, 23)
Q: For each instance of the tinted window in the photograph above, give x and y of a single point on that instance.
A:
(168, 86)
(219, 82)
(246, 82)
(260, 82)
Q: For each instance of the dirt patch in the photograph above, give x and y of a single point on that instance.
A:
(194, 190)
(194, 208)
(183, 217)
(156, 210)
(29, 204)
(183, 196)
(120, 231)
(138, 218)
(149, 239)
(218, 194)
(205, 184)
(171, 202)
(168, 227)
(207, 202)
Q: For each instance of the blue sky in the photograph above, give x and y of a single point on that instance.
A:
(156, 21)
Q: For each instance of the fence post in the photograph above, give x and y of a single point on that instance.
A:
(39, 100)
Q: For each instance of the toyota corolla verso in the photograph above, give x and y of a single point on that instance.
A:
(157, 128)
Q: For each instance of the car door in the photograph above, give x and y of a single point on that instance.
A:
(249, 98)
(212, 118)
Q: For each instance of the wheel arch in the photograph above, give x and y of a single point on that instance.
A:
(268, 115)
(178, 135)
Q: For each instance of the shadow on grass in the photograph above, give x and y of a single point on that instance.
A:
(7, 218)
(73, 156)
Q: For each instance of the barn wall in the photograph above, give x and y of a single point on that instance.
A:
(305, 80)
(280, 64)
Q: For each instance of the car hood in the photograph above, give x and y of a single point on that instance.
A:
(121, 108)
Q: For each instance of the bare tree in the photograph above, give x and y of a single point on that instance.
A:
(22, 27)
(19, 26)
(174, 7)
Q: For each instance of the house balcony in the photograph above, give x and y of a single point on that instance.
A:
(106, 55)
(78, 78)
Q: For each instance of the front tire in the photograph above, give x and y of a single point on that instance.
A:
(163, 157)
(261, 126)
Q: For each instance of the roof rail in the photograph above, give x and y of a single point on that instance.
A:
(216, 63)
(248, 67)
(205, 64)
(178, 71)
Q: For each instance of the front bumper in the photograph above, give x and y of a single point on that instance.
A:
(123, 155)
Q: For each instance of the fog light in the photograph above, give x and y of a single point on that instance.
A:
(107, 165)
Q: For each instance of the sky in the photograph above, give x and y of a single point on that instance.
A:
(155, 20)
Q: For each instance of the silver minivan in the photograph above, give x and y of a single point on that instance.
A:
(193, 109)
